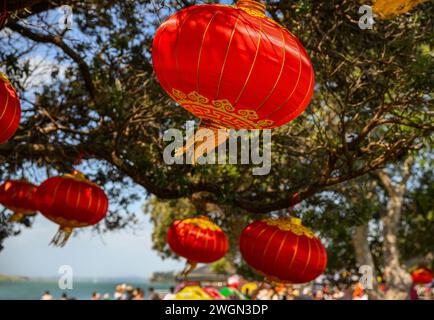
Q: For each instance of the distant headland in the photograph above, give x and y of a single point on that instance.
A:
(4, 277)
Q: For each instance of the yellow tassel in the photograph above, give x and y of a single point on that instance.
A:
(188, 268)
(208, 137)
(61, 237)
(16, 217)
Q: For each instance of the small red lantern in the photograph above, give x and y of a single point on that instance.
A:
(422, 275)
(283, 250)
(71, 201)
(198, 240)
(20, 197)
(10, 109)
(232, 66)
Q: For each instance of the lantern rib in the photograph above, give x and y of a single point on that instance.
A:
(223, 249)
(5, 108)
(207, 231)
(295, 253)
(77, 202)
(185, 242)
(177, 41)
(308, 257)
(226, 55)
(318, 264)
(280, 73)
(200, 51)
(56, 190)
(267, 246)
(282, 243)
(196, 239)
(257, 237)
(214, 248)
(295, 87)
(99, 205)
(90, 200)
(67, 194)
(163, 76)
(5, 132)
(297, 110)
(253, 65)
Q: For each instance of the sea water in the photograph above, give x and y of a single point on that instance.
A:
(82, 290)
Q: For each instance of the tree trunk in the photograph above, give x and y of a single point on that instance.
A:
(364, 257)
(398, 280)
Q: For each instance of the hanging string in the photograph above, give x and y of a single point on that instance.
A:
(79, 158)
(4, 15)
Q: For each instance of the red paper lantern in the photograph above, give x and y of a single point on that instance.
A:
(19, 196)
(283, 250)
(198, 240)
(422, 275)
(71, 201)
(10, 109)
(233, 66)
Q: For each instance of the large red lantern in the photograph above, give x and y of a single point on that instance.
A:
(10, 109)
(422, 275)
(232, 66)
(283, 250)
(198, 240)
(71, 201)
(19, 196)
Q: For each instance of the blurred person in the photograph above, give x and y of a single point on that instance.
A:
(153, 295)
(318, 295)
(337, 294)
(262, 294)
(46, 296)
(120, 292)
(289, 293)
(247, 293)
(283, 294)
(64, 296)
(233, 296)
(359, 293)
(129, 293)
(171, 295)
(427, 294)
(95, 296)
(413, 292)
(138, 294)
(106, 296)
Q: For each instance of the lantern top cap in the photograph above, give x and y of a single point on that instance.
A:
(79, 176)
(254, 6)
(292, 224)
(296, 221)
(202, 222)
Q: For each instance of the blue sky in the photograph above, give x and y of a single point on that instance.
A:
(123, 253)
(117, 254)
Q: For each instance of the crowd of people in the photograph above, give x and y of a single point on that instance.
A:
(326, 287)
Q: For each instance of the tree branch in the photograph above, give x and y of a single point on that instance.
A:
(58, 41)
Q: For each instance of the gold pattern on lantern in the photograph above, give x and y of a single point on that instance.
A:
(203, 223)
(4, 78)
(68, 223)
(220, 111)
(253, 7)
(290, 224)
(78, 176)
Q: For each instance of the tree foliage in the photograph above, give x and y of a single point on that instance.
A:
(90, 94)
